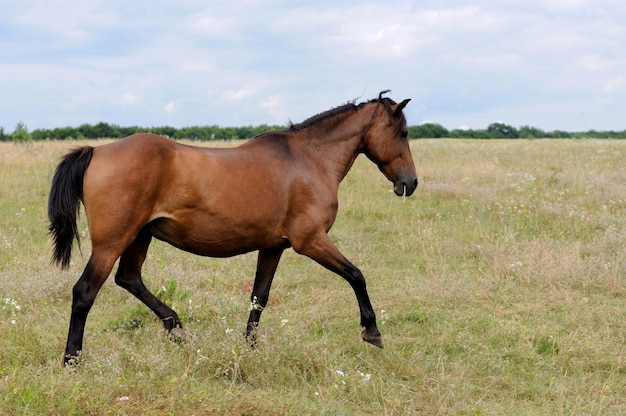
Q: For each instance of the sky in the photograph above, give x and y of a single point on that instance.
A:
(551, 64)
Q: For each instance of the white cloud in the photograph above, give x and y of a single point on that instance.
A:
(204, 65)
(274, 106)
(207, 23)
(236, 95)
(171, 107)
(129, 98)
(562, 5)
(594, 63)
(614, 84)
(271, 104)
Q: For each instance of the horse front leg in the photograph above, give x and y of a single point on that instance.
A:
(267, 262)
(323, 251)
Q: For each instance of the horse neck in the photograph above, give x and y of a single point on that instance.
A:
(335, 143)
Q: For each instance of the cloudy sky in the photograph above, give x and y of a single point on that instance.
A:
(553, 64)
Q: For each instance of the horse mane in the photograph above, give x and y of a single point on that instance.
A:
(311, 121)
(349, 106)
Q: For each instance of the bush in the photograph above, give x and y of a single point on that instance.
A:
(21, 133)
(428, 131)
(529, 132)
(502, 131)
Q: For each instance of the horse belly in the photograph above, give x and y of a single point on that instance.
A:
(216, 237)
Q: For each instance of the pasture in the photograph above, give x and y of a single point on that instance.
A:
(499, 288)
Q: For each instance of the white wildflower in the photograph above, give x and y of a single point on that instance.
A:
(366, 377)
(383, 316)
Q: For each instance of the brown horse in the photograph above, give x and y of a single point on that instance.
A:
(276, 191)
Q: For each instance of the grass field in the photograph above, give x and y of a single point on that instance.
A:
(499, 288)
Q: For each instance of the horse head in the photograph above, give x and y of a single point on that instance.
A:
(386, 144)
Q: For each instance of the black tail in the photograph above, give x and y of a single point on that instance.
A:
(64, 203)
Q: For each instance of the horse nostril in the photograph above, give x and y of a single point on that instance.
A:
(415, 183)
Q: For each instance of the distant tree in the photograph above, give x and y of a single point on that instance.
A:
(469, 134)
(127, 131)
(194, 133)
(21, 133)
(4, 137)
(103, 129)
(39, 134)
(63, 133)
(456, 133)
(428, 131)
(558, 134)
(87, 131)
(502, 131)
(166, 131)
(529, 132)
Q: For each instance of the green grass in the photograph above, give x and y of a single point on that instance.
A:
(499, 288)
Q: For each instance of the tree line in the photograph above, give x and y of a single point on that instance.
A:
(504, 131)
(113, 131)
(204, 133)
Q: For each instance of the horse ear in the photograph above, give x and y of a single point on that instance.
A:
(400, 107)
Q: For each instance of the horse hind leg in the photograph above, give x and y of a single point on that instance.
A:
(83, 296)
(128, 276)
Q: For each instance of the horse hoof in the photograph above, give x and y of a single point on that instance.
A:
(177, 335)
(251, 340)
(373, 337)
(70, 360)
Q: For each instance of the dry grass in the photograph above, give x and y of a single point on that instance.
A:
(502, 283)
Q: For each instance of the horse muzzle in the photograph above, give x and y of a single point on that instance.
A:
(405, 187)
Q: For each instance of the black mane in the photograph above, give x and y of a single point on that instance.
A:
(350, 106)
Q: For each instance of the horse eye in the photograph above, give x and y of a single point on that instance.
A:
(404, 134)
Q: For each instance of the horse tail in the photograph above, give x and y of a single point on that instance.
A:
(64, 203)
